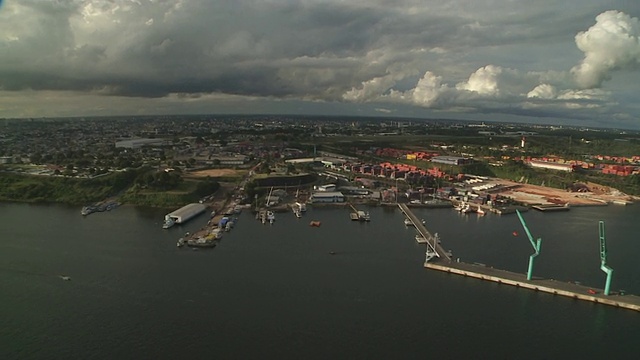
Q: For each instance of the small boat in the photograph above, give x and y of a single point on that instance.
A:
(480, 211)
(408, 222)
(65, 278)
(429, 254)
(180, 242)
(168, 222)
(302, 206)
(420, 239)
(314, 223)
(467, 209)
(271, 216)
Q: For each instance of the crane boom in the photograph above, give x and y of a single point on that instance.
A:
(603, 258)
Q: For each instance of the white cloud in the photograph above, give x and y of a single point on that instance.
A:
(543, 91)
(613, 43)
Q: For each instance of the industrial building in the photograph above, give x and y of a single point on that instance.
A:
(551, 165)
(450, 160)
(186, 212)
(327, 197)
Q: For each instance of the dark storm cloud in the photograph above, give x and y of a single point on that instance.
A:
(425, 53)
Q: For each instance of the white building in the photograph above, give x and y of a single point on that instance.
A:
(550, 165)
(327, 197)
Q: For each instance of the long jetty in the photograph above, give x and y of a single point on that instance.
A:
(432, 241)
(487, 273)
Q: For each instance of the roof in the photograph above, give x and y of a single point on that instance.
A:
(327, 194)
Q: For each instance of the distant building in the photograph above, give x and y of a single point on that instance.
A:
(450, 160)
(231, 160)
(328, 187)
(551, 165)
(137, 143)
(327, 197)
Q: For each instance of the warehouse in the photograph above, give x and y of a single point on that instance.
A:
(327, 197)
(186, 212)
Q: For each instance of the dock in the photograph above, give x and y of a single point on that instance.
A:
(571, 290)
(431, 240)
(550, 286)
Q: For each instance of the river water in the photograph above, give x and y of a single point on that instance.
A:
(276, 291)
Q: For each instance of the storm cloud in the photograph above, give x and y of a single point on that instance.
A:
(485, 56)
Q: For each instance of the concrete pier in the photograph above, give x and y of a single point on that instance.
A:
(550, 286)
(479, 271)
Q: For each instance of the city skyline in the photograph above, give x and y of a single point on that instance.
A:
(573, 63)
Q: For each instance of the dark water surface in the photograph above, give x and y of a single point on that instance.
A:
(276, 292)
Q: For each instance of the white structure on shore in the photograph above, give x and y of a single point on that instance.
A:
(186, 212)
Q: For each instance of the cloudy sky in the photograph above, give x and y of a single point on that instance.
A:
(547, 61)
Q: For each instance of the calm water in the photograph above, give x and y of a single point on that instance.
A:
(276, 292)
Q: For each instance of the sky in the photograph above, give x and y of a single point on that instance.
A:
(545, 61)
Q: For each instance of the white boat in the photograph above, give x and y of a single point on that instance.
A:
(216, 233)
(420, 239)
(168, 222)
(429, 254)
(180, 242)
(302, 206)
(480, 211)
(467, 209)
(271, 217)
(408, 222)
(363, 215)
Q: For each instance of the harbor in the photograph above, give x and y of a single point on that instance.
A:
(263, 269)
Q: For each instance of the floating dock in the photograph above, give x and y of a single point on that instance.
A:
(483, 272)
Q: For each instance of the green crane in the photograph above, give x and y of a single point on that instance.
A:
(536, 245)
(603, 259)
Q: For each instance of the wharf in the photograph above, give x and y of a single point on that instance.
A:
(551, 207)
(483, 272)
(555, 287)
